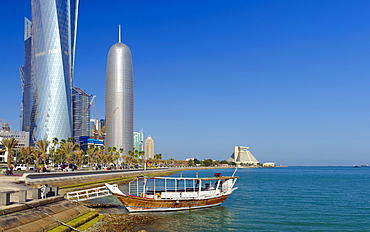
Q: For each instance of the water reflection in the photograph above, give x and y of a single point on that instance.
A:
(211, 219)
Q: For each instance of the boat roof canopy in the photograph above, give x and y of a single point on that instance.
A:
(206, 178)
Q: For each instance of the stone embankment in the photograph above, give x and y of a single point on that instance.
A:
(39, 215)
(30, 209)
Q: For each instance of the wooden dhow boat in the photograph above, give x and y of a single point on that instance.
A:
(175, 193)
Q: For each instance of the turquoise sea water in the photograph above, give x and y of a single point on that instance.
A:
(281, 199)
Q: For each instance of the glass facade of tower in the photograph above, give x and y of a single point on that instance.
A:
(139, 140)
(26, 77)
(119, 98)
(81, 113)
(54, 24)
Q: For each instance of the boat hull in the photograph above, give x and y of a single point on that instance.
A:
(141, 204)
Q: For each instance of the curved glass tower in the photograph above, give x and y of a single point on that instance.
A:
(119, 98)
(54, 26)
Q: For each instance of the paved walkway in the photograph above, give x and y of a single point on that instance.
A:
(8, 184)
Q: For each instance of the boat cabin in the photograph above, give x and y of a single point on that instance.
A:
(181, 188)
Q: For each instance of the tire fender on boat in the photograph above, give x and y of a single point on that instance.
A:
(157, 196)
(142, 195)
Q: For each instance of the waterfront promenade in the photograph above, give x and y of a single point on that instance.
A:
(15, 214)
(33, 214)
(26, 180)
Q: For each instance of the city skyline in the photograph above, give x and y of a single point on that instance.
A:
(287, 79)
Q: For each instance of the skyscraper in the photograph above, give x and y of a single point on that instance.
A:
(26, 78)
(149, 148)
(119, 98)
(81, 113)
(139, 140)
(48, 69)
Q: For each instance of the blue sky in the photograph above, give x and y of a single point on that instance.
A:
(289, 79)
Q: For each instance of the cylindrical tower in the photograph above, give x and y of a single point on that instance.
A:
(119, 93)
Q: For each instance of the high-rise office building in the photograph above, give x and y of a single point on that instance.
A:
(119, 98)
(81, 113)
(26, 78)
(139, 140)
(47, 73)
(149, 148)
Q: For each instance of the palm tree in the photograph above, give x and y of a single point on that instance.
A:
(42, 145)
(122, 156)
(37, 154)
(142, 156)
(27, 154)
(158, 156)
(151, 161)
(67, 149)
(59, 156)
(132, 156)
(100, 157)
(91, 154)
(136, 154)
(109, 158)
(130, 160)
(116, 156)
(9, 145)
(79, 156)
(55, 142)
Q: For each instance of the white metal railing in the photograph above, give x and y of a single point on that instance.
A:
(89, 194)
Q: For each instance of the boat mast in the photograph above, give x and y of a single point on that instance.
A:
(200, 187)
(137, 186)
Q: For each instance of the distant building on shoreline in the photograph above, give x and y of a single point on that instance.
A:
(269, 165)
(149, 148)
(242, 155)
